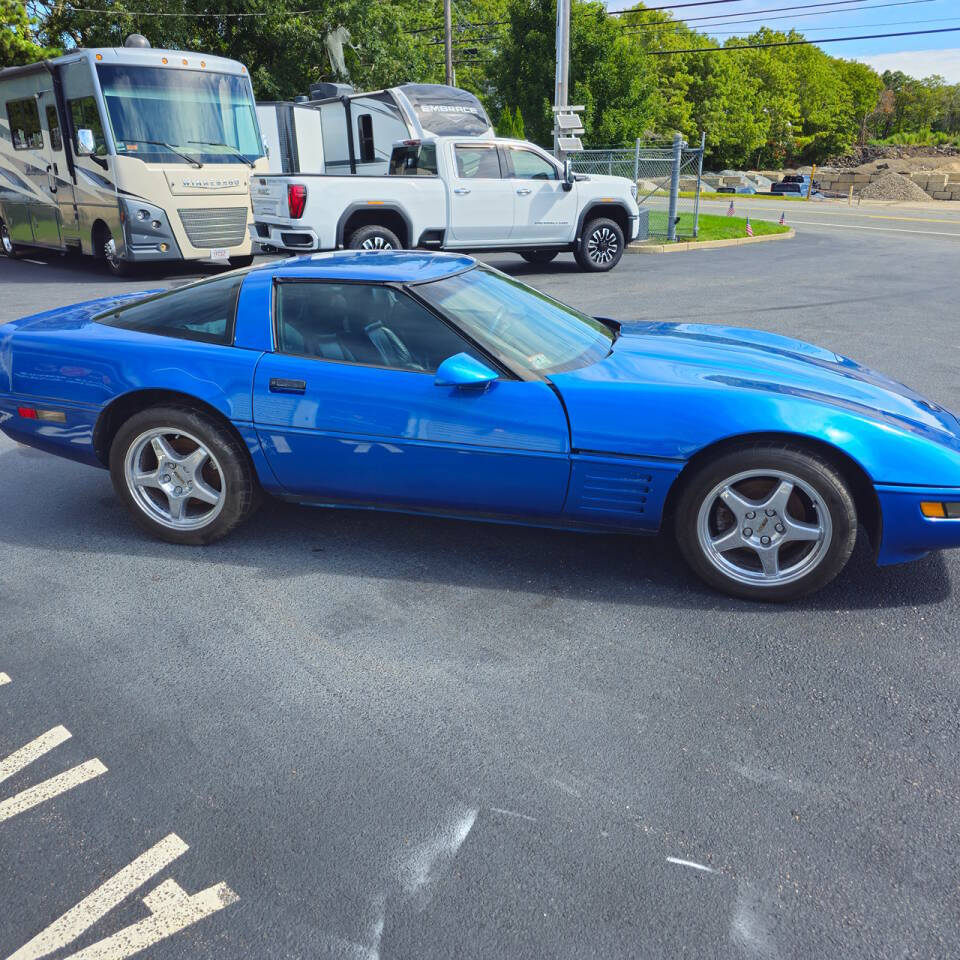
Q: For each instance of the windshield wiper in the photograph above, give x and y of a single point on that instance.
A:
(169, 146)
(226, 146)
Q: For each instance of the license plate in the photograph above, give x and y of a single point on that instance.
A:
(220, 253)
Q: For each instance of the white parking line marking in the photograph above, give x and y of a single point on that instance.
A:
(690, 863)
(858, 226)
(4, 678)
(51, 788)
(39, 263)
(172, 909)
(36, 748)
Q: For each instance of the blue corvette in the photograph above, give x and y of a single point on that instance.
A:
(431, 383)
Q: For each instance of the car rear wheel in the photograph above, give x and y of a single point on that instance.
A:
(601, 245)
(374, 238)
(767, 522)
(183, 477)
(539, 256)
(7, 245)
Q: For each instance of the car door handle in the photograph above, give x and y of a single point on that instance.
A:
(523, 191)
(279, 385)
(461, 191)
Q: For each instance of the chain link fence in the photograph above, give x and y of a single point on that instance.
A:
(668, 175)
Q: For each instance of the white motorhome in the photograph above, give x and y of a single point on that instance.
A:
(129, 155)
(340, 131)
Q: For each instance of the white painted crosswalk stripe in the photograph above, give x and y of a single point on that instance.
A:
(35, 748)
(51, 788)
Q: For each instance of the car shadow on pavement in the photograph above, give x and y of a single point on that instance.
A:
(53, 505)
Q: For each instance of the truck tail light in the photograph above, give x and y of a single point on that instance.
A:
(296, 200)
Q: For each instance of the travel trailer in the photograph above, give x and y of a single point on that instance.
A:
(129, 155)
(340, 131)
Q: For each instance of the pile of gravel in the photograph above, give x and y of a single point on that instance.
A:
(893, 186)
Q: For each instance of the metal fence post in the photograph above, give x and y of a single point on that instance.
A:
(696, 200)
(636, 162)
(674, 187)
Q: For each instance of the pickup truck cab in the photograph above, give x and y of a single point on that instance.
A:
(453, 193)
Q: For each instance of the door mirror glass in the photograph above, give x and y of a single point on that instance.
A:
(462, 370)
(86, 145)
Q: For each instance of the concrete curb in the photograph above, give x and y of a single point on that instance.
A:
(706, 244)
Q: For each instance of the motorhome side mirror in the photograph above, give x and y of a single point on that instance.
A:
(86, 145)
(567, 175)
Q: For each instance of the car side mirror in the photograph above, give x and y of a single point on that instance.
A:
(568, 176)
(86, 145)
(462, 370)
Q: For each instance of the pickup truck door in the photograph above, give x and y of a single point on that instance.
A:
(543, 211)
(347, 411)
(481, 198)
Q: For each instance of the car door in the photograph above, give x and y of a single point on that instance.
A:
(481, 198)
(543, 210)
(347, 410)
(59, 181)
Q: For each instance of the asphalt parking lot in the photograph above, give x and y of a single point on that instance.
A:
(391, 737)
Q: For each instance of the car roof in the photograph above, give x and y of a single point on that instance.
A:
(374, 266)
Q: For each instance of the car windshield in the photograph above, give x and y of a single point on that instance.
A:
(206, 117)
(517, 324)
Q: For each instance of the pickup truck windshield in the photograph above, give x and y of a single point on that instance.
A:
(518, 325)
(159, 115)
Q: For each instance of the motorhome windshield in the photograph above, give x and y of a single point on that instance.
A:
(178, 116)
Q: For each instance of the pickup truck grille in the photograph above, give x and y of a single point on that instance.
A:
(215, 226)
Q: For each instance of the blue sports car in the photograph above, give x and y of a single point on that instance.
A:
(432, 383)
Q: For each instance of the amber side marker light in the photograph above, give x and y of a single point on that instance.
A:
(937, 510)
(49, 416)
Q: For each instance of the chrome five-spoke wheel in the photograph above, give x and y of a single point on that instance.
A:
(175, 479)
(762, 527)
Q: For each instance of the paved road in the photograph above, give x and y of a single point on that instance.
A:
(404, 738)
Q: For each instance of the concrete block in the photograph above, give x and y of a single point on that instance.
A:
(942, 195)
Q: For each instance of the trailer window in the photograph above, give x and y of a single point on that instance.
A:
(365, 130)
(86, 116)
(24, 119)
(53, 125)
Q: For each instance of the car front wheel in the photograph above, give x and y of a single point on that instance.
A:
(767, 522)
(184, 477)
(601, 245)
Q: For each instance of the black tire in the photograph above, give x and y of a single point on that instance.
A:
(601, 245)
(241, 494)
(7, 246)
(105, 249)
(374, 238)
(703, 517)
(539, 256)
(238, 263)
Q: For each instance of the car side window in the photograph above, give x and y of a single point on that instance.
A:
(528, 165)
(204, 311)
(480, 162)
(365, 324)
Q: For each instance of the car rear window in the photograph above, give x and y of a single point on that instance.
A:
(204, 311)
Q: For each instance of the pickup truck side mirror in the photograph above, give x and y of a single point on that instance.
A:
(86, 145)
(567, 175)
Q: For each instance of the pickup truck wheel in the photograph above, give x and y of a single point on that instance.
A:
(374, 238)
(601, 245)
(539, 256)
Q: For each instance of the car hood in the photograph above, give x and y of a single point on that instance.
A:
(699, 372)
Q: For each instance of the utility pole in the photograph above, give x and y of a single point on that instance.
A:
(448, 39)
(561, 86)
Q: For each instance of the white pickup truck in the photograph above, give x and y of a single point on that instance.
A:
(452, 194)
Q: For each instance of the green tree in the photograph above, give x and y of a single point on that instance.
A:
(507, 125)
(18, 44)
(519, 131)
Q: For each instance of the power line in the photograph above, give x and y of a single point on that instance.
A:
(801, 43)
(116, 11)
(846, 26)
(641, 28)
(798, 6)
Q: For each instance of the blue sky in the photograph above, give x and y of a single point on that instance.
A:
(919, 56)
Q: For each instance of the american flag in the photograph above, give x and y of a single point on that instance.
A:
(749, 228)
(783, 217)
(730, 210)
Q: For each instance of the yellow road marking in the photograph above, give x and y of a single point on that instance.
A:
(51, 788)
(170, 906)
(35, 748)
